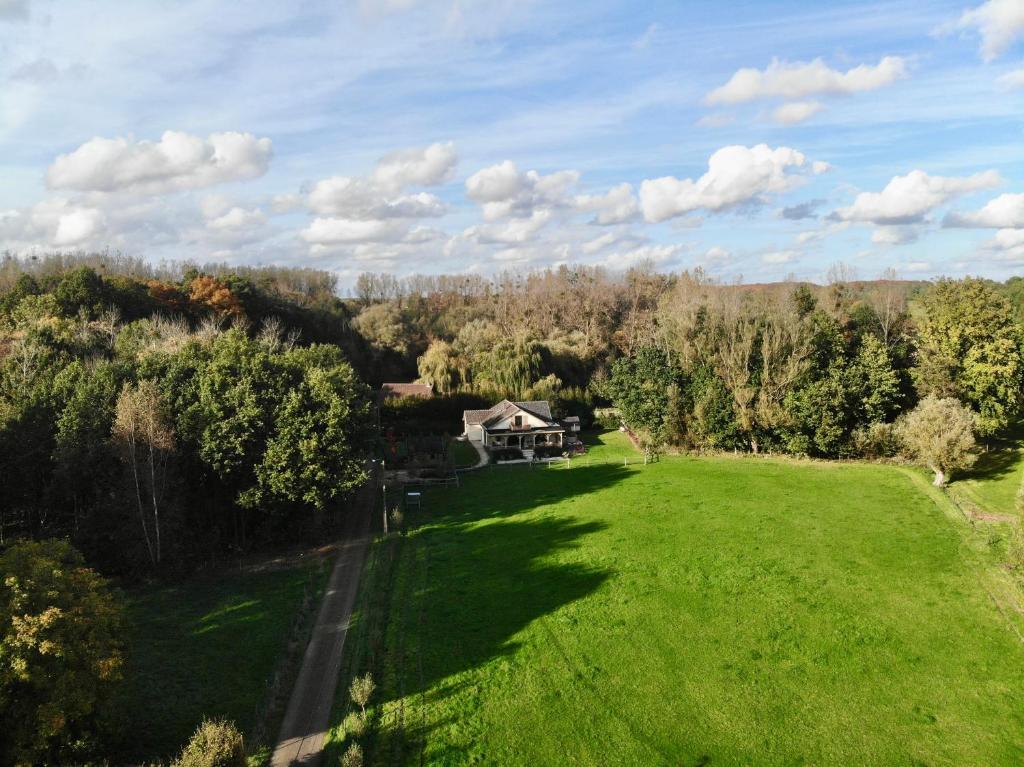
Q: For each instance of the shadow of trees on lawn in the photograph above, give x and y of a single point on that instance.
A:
(994, 464)
(204, 649)
(478, 571)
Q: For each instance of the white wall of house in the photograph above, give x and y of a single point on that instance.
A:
(528, 421)
(475, 433)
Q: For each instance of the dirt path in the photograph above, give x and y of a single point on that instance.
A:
(309, 710)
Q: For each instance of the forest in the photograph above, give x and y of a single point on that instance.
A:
(164, 418)
(160, 416)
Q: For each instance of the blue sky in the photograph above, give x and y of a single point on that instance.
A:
(755, 140)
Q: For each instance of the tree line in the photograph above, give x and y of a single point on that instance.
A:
(155, 423)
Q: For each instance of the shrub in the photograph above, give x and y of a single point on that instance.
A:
(506, 454)
(361, 689)
(353, 757)
(354, 726)
(217, 743)
(548, 451)
(396, 518)
(879, 440)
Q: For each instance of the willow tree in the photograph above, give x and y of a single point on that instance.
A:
(439, 366)
(940, 434)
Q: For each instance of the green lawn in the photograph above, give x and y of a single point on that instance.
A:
(690, 612)
(992, 483)
(463, 453)
(208, 647)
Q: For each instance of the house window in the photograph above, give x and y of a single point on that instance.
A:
(518, 422)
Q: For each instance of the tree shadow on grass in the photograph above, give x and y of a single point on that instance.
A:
(207, 649)
(478, 571)
(994, 464)
(1001, 458)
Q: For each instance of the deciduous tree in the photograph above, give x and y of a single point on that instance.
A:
(61, 632)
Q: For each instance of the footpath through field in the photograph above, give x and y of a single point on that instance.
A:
(309, 708)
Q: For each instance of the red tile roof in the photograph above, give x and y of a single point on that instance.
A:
(406, 390)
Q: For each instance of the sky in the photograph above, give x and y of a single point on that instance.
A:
(759, 141)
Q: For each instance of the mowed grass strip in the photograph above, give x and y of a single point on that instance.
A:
(694, 611)
(206, 648)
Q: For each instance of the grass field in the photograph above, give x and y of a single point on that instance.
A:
(690, 612)
(208, 647)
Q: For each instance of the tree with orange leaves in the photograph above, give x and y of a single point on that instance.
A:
(214, 296)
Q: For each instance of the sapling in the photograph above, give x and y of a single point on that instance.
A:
(361, 689)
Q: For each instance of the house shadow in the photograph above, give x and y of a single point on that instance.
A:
(480, 570)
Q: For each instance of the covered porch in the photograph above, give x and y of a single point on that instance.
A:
(524, 440)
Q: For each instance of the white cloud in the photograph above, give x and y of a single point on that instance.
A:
(286, 203)
(894, 235)
(617, 206)
(816, 235)
(426, 166)
(334, 231)
(359, 198)
(510, 231)
(502, 190)
(599, 243)
(820, 166)
(1007, 245)
(796, 112)
(178, 161)
(918, 266)
(1004, 212)
(717, 253)
(780, 257)
(374, 209)
(77, 226)
(1000, 23)
(908, 199)
(236, 219)
(736, 175)
(213, 205)
(798, 80)
(55, 222)
(646, 254)
(1011, 81)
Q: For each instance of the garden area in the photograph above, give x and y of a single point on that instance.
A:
(712, 611)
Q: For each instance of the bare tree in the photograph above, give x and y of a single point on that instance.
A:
(888, 299)
(785, 351)
(143, 432)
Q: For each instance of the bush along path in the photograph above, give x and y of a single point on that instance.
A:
(308, 714)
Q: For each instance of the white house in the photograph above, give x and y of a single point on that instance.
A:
(523, 425)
